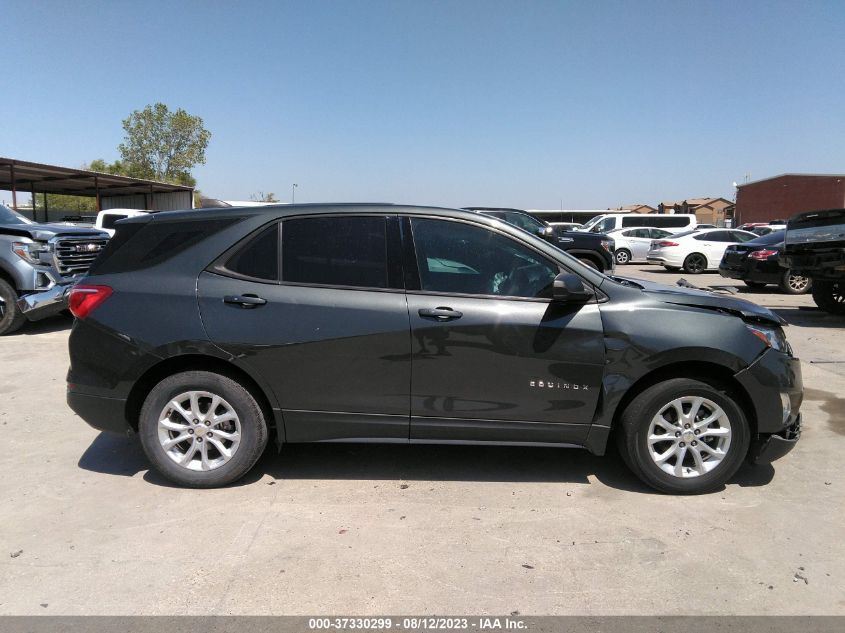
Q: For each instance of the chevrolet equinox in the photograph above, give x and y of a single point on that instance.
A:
(209, 332)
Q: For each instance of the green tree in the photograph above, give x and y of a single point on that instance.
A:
(163, 145)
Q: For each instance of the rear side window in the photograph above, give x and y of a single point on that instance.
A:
(671, 221)
(110, 219)
(335, 251)
(259, 257)
(139, 246)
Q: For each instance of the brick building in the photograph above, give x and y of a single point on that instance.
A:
(780, 197)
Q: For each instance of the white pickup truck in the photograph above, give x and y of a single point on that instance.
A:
(106, 219)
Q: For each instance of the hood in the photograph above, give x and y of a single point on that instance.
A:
(44, 232)
(705, 299)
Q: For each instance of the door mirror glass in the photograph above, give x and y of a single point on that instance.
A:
(570, 288)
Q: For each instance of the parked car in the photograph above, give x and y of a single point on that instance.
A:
(814, 246)
(294, 321)
(107, 219)
(695, 251)
(38, 264)
(672, 222)
(757, 263)
(633, 244)
(594, 250)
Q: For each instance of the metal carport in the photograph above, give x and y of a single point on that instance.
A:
(110, 191)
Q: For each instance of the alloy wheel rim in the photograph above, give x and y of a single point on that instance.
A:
(696, 263)
(797, 282)
(199, 430)
(838, 293)
(689, 437)
(621, 257)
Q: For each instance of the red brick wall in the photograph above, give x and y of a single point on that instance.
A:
(778, 198)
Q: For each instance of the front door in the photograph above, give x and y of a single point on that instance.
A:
(328, 329)
(493, 358)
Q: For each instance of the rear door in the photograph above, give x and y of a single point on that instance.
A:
(639, 240)
(494, 359)
(325, 323)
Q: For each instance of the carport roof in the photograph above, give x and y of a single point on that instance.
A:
(25, 176)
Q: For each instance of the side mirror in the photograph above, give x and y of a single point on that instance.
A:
(571, 289)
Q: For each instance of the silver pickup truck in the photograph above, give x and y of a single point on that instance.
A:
(38, 265)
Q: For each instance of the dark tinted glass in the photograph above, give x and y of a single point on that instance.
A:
(335, 251)
(143, 245)
(775, 237)
(635, 220)
(523, 221)
(466, 259)
(740, 236)
(259, 257)
(110, 219)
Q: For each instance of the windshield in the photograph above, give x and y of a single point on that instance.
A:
(589, 225)
(7, 216)
(775, 237)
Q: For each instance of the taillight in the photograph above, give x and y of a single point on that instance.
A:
(83, 299)
(763, 254)
(665, 243)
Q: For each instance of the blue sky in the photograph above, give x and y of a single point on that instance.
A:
(526, 104)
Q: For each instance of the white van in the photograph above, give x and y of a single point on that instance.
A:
(106, 219)
(672, 222)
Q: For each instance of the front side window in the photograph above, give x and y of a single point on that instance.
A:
(461, 258)
(335, 251)
(525, 222)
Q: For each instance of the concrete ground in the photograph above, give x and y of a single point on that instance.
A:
(332, 529)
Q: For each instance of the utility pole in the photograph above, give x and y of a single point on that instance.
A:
(293, 193)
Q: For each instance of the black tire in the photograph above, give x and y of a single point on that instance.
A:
(11, 318)
(632, 436)
(253, 428)
(623, 256)
(830, 296)
(794, 284)
(754, 284)
(695, 263)
(589, 262)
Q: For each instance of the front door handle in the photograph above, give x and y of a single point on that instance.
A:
(440, 314)
(245, 301)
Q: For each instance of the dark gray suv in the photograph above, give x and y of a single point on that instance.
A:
(209, 332)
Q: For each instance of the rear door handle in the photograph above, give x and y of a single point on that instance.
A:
(245, 301)
(440, 314)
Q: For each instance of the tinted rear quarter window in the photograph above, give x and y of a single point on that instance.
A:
(139, 246)
(335, 251)
(259, 257)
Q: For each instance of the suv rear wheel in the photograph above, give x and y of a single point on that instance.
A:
(202, 430)
(683, 436)
(11, 318)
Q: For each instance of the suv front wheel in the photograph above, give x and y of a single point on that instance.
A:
(201, 429)
(684, 436)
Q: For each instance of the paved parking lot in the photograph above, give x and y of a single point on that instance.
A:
(86, 529)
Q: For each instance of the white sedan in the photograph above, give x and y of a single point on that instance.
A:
(632, 244)
(695, 251)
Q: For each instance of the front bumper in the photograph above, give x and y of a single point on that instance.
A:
(767, 449)
(45, 303)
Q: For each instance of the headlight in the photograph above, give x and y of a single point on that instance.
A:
(773, 337)
(30, 251)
